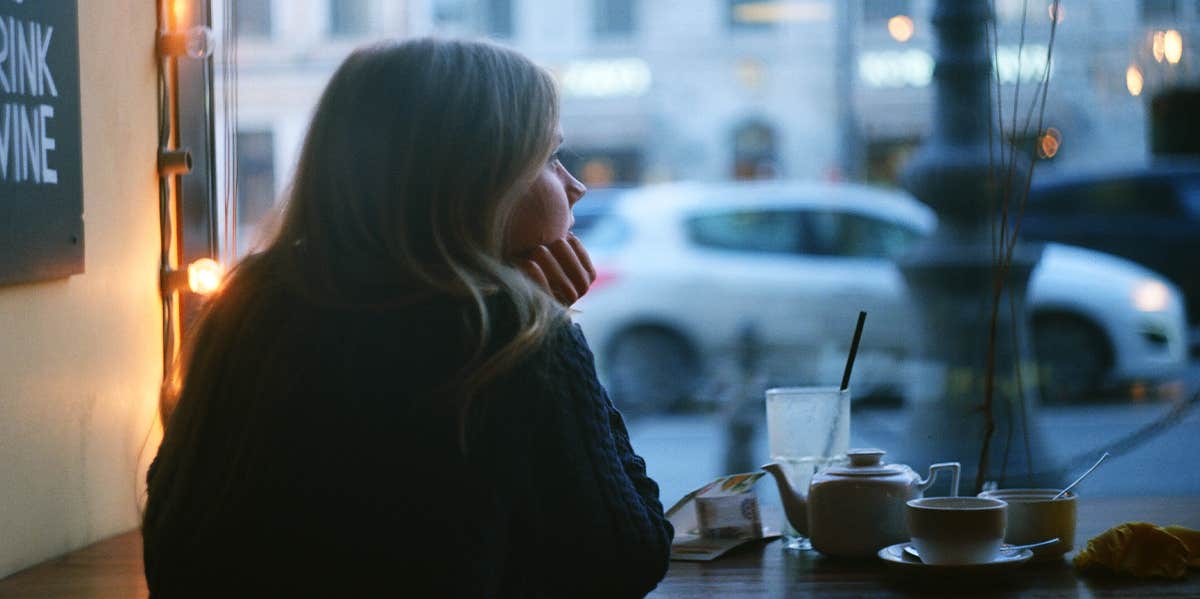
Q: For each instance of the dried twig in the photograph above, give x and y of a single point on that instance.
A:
(1002, 261)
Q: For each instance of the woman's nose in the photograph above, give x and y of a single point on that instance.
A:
(575, 188)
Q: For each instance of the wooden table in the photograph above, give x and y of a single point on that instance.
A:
(113, 568)
(766, 570)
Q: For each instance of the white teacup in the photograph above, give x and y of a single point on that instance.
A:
(957, 530)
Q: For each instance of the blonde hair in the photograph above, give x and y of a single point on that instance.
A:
(415, 158)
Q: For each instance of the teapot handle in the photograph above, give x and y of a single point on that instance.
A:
(953, 467)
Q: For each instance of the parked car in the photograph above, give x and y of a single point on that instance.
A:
(687, 271)
(1149, 215)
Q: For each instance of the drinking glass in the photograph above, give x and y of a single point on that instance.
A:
(808, 428)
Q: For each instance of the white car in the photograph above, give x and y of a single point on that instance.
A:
(686, 272)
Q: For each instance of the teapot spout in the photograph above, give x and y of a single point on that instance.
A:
(795, 505)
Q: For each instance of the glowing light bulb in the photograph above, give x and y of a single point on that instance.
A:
(901, 28)
(205, 275)
(1158, 45)
(1134, 80)
(1172, 46)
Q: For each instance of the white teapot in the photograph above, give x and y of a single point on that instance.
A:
(856, 509)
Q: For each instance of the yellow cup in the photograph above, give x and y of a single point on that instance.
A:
(1033, 516)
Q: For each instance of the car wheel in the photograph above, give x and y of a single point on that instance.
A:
(1073, 357)
(651, 370)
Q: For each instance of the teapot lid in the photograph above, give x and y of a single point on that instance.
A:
(867, 462)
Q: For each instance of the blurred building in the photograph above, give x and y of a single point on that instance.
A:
(721, 89)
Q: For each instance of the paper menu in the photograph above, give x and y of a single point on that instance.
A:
(726, 509)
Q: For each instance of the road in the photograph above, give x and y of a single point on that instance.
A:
(683, 452)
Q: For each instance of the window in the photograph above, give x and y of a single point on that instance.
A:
(875, 11)
(498, 18)
(253, 17)
(1159, 10)
(613, 17)
(886, 159)
(349, 18)
(754, 152)
(255, 176)
(838, 233)
(647, 102)
(762, 231)
(751, 14)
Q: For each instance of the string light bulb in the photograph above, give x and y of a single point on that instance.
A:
(205, 276)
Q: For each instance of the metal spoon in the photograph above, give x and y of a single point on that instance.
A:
(909, 549)
(1081, 476)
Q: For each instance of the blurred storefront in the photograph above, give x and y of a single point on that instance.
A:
(734, 89)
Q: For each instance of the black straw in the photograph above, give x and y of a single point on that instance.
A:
(862, 318)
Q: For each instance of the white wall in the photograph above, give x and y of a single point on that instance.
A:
(81, 358)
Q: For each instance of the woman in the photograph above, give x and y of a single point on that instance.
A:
(389, 399)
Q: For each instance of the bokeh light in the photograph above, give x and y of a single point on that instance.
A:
(1134, 80)
(1049, 143)
(901, 28)
(1172, 46)
(205, 275)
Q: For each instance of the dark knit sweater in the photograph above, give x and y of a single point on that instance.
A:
(342, 475)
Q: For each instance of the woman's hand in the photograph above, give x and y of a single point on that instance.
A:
(562, 268)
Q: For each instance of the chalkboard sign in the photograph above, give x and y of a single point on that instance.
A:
(41, 187)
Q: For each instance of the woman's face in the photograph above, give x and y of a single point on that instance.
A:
(543, 214)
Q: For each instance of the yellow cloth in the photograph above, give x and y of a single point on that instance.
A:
(1143, 550)
(1191, 538)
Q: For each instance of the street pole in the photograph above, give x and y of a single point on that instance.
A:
(951, 275)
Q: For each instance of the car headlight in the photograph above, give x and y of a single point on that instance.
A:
(1150, 295)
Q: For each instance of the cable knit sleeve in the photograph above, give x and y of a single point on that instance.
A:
(590, 518)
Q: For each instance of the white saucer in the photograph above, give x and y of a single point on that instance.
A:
(895, 554)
